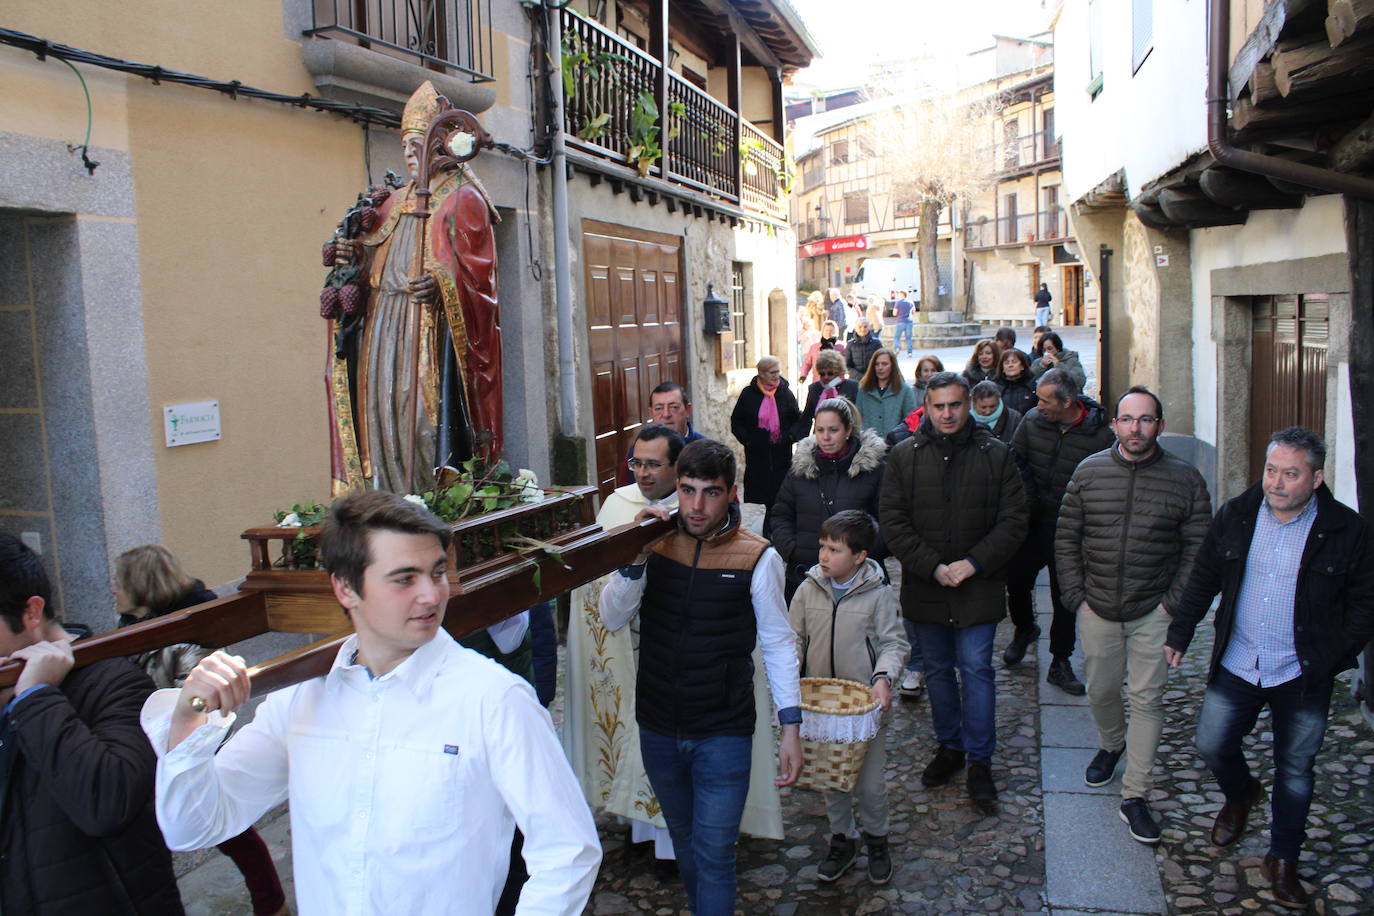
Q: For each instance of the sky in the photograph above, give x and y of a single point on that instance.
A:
(862, 31)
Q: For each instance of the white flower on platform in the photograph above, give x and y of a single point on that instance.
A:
(417, 500)
(530, 491)
(461, 144)
(292, 520)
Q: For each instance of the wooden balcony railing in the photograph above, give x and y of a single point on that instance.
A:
(1023, 229)
(610, 110)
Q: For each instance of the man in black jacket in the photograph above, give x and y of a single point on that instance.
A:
(78, 833)
(1288, 623)
(953, 511)
(1060, 431)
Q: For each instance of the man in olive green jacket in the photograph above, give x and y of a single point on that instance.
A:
(1132, 520)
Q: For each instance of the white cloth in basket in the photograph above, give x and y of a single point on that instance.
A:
(841, 728)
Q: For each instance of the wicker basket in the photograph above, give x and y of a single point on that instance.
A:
(834, 764)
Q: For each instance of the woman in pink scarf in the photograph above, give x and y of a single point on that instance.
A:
(763, 422)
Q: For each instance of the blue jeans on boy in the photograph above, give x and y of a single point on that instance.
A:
(1229, 709)
(963, 710)
(903, 327)
(702, 785)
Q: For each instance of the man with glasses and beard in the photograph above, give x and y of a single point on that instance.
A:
(1131, 523)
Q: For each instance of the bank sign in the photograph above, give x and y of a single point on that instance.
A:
(186, 424)
(833, 246)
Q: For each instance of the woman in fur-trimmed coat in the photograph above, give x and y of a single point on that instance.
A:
(839, 466)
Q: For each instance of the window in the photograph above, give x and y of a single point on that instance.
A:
(1095, 15)
(839, 152)
(739, 315)
(1051, 221)
(1011, 143)
(906, 199)
(856, 207)
(865, 148)
(1048, 148)
(1142, 31)
(453, 36)
(813, 172)
(1009, 233)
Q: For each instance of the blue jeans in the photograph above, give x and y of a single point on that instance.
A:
(914, 663)
(702, 785)
(1229, 709)
(963, 710)
(903, 327)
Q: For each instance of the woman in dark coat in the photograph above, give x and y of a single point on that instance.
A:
(831, 384)
(839, 467)
(1017, 381)
(860, 349)
(982, 365)
(764, 421)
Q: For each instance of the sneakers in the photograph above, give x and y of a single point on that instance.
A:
(981, 790)
(1141, 822)
(879, 862)
(1021, 640)
(1103, 768)
(946, 763)
(913, 684)
(1061, 675)
(844, 852)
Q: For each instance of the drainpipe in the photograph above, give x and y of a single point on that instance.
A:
(1218, 54)
(1104, 323)
(562, 255)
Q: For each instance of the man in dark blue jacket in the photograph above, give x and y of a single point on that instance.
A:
(1295, 569)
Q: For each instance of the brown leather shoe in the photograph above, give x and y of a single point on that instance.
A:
(1233, 816)
(1284, 881)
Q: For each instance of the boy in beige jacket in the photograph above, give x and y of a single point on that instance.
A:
(848, 625)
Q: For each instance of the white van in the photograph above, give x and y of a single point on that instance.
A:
(885, 276)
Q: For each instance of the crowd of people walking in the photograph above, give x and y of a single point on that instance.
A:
(972, 481)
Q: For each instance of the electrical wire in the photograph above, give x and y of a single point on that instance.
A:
(85, 146)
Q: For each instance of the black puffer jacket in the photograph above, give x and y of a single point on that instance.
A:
(1019, 394)
(1128, 532)
(1333, 610)
(857, 353)
(947, 498)
(78, 834)
(1006, 424)
(1052, 452)
(815, 489)
(975, 373)
(765, 462)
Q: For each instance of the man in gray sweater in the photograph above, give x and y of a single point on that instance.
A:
(1132, 520)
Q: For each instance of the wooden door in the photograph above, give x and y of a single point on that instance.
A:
(634, 333)
(1287, 368)
(1073, 295)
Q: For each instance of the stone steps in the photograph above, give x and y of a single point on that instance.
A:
(933, 343)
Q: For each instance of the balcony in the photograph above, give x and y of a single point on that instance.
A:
(449, 37)
(610, 111)
(1024, 155)
(1043, 228)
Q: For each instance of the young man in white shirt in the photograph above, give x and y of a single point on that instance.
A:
(407, 767)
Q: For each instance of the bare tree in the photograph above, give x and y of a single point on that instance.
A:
(936, 147)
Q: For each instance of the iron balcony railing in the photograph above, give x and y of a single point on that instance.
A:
(450, 35)
(1022, 152)
(611, 110)
(1043, 227)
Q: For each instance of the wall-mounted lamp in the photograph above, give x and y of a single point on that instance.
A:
(715, 312)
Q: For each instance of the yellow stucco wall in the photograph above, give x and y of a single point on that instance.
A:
(232, 201)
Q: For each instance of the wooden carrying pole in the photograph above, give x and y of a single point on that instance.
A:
(489, 596)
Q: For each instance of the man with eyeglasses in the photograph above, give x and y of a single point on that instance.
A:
(668, 405)
(1131, 523)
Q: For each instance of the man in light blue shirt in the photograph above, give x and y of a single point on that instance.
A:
(1295, 570)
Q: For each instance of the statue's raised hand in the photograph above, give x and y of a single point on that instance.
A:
(425, 289)
(347, 251)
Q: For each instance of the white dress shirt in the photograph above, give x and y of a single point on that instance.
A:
(620, 602)
(404, 789)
